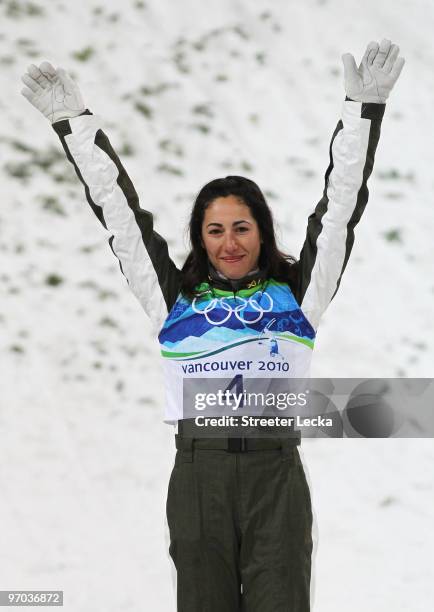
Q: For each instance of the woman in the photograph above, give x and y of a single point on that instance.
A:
(238, 507)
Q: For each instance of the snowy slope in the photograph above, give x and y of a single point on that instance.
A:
(190, 91)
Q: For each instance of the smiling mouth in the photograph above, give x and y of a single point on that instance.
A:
(232, 259)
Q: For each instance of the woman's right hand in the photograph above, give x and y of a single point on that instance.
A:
(52, 92)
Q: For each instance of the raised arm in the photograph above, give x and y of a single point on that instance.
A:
(330, 228)
(142, 253)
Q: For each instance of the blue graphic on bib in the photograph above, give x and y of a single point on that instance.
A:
(274, 349)
(212, 320)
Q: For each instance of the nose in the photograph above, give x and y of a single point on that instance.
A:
(230, 243)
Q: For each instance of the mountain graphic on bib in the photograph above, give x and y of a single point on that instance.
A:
(217, 320)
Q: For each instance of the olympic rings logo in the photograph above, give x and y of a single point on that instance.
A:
(222, 303)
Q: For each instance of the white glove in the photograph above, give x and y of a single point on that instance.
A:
(374, 79)
(52, 92)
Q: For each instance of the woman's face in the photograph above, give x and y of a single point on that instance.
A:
(231, 237)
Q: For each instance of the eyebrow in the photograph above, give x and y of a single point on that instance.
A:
(234, 223)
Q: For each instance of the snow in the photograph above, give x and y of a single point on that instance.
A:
(252, 88)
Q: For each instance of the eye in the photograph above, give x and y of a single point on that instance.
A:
(243, 229)
(214, 231)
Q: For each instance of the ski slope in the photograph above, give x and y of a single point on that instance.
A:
(191, 91)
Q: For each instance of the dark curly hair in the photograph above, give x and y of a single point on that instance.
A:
(274, 263)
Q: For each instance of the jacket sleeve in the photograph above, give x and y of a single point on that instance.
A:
(330, 228)
(142, 253)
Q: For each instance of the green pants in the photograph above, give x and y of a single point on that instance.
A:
(240, 530)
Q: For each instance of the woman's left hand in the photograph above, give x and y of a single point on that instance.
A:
(377, 74)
